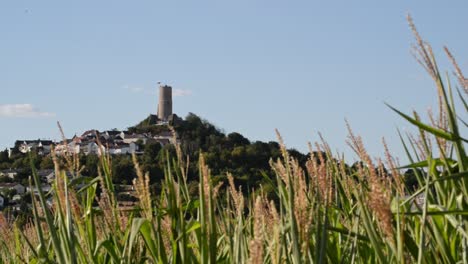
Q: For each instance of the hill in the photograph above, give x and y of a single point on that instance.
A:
(224, 153)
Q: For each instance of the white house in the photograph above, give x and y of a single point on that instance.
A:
(35, 190)
(92, 148)
(16, 198)
(134, 138)
(24, 148)
(71, 148)
(9, 173)
(45, 175)
(123, 149)
(50, 178)
(42, 146)
(74, 147)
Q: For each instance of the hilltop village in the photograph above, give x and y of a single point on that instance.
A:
(15, 192)
(113, 142)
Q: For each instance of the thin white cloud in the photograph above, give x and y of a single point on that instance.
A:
(22, 110)
(134, 89)
(139, 89)
(181, 92)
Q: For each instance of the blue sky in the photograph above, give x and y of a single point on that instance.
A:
(246, 66)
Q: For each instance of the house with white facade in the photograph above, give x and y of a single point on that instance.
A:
(10, 173)
(92, 148)
(45, 175)
(135, 137)
(43, 147)
(123, 148)
(69, 147)
(16, 198)
(45, 188)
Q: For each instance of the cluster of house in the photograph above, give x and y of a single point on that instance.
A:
(12, 193)
(113, 142)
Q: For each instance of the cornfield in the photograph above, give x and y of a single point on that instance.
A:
(325, 213)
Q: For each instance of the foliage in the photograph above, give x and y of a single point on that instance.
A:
(4, 156)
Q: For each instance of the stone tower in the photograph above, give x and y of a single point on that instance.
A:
(165, 102)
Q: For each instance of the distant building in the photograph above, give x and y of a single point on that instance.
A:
(111, 134)
(8, 186)
(45, 188)
(45, 175)
(16, 198)
(42, 147)
(92, 148)
(10, 173)
(134, 138)
(123, 148)
(165, 103)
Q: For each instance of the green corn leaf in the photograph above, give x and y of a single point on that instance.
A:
(435, 131)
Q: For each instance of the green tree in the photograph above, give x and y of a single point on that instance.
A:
(46, 163)
(151, 152)
(4, 156)
(91, 165)
(123, 170)
(237, 139)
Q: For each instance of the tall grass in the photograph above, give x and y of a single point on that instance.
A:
(325, 212)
